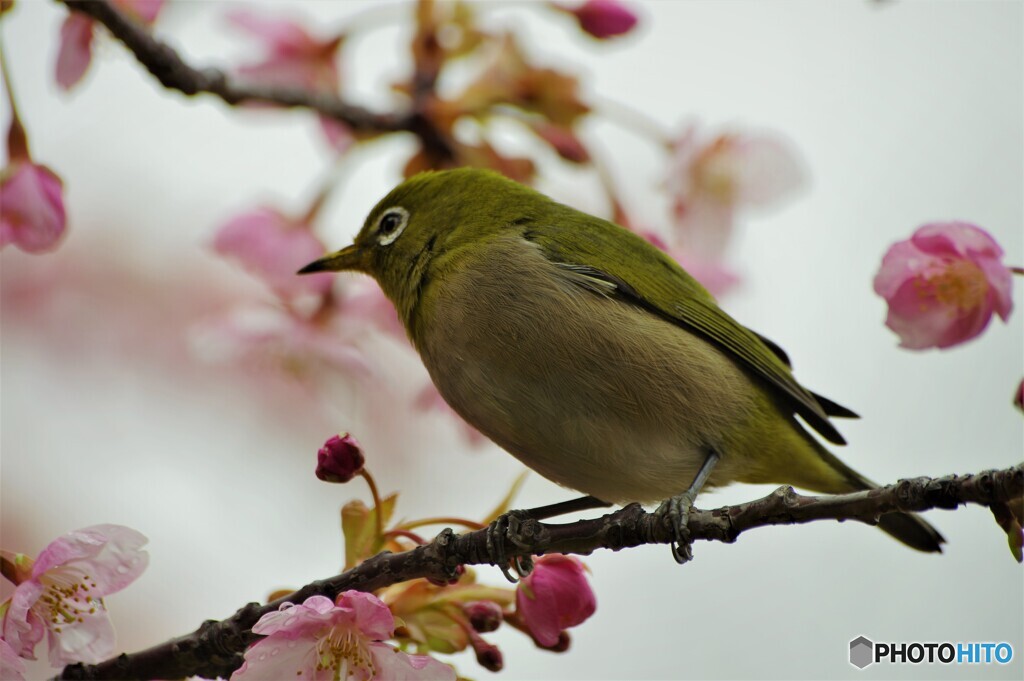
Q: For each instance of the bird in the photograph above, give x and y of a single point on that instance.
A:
(591, 355)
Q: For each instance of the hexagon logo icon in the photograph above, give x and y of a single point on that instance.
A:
(861, 652)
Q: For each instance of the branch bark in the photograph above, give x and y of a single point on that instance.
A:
(216, 648)
(173, 73)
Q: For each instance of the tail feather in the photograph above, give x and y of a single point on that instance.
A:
(909, 528)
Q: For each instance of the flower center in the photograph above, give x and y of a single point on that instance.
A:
(344, 651)
(961, 284)
(67, 600)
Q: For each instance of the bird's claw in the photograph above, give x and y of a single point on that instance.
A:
(677, 510)
(507, 526)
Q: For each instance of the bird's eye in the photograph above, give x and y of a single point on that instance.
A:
(390, 225)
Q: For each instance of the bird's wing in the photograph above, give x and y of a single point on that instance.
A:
(633, 270)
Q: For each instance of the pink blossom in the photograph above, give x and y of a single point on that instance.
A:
(603, 18)
(33, 217)
(11, 666)
(429, 399)
(76, 33)
(75, 50)
(554, 597)
(63, 596)
(294, 57)
(709, 180)
(943, 284)
(256, 334)
(713, 276)
(320, 640)
(340, 459)
(272, 247)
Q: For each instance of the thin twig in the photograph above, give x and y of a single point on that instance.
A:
(168, 67)
(216, 648)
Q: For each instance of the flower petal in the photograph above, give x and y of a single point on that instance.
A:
(12, 667)
(372, 617)
(297, 621)
(23, 629)
(554, 597)
(394, 665)
(89, 638)
(108, 554)
(278, 657)
(272, 247)
(75, 50)
(33, 217)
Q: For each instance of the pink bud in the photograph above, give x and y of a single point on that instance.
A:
(1018, 399)
(603, 18)
(33, 216)
(340, 459)
(484, 616)
(488, 655)
(943, 284)
(554, 597)
(272, 246)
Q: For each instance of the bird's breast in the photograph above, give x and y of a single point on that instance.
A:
(590, 391)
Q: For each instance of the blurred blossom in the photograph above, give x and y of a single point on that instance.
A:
(602, 18)
(709, 180)
(273, 247)
(1018, 399)
(554, 597)
(429, 399)
(76, 33)
(267, 334)
(340, 459)
(294, 58)
(319, 641)
(33, 216)
(63, 597)
(943, 284)
(12, 668)
(713, 276)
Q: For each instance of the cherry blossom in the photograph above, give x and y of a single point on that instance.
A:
(319, 640)
(63, 596)
(272, 247)
(711, 179)
(943, 285)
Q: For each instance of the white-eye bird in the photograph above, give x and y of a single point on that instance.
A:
(591, 355)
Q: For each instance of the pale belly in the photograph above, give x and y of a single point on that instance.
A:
(591, 392)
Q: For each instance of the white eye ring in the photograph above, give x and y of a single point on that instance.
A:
(391, 224)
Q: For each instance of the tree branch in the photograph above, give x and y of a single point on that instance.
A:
(168, 67)
(216, 648)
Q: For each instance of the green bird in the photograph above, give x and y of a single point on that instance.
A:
(591, 355)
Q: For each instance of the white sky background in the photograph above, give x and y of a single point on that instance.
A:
(904, 112)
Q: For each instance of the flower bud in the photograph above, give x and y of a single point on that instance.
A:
(484, 616)
(603, 18)
(1018, 399)
(340, 459)
(488, 655)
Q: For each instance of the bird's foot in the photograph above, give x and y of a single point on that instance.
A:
(508, 526)
(677, 510)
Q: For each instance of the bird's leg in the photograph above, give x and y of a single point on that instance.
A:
(507, 526)
(677, 509)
